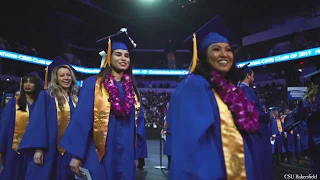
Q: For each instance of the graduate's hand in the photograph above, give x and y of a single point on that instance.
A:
(136, 162)
(75, 165)
(38, 157)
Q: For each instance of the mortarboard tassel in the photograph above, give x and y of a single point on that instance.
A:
(108, 58)
(46, 78)
(195, 54)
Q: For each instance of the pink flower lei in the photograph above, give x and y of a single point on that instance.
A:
(121, 109)
(246, 117)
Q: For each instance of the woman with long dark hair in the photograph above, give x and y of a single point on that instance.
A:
(103, 130)
(209, 115)
(48, 123)
(14, 122)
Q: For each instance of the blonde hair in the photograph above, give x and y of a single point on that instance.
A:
(54, 90)
(311, 93)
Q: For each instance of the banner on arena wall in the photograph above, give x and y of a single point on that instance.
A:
(296, 93)
(167, 72)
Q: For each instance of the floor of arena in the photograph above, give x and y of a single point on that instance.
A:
(150, 173)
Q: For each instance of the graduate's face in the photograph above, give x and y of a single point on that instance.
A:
(287, 111)
(120, 60)
(29, 86)
(251, 78)
(220, 57)
(64, 77)
(7, 100)
(17, 94)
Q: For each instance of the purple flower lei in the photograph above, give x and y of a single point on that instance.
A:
(120, 109)
(246, 117)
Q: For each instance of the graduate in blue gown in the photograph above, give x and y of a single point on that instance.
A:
(13, 126)
(208, 140)
(277, 134)
(262, 137)
(141, 146)
(102, 133)
(312, 104)
(292, 140)
(4, 101)
(48, 122)
(304, 143)
(168, 141)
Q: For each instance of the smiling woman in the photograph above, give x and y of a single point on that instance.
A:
(48, 123)
(210, 118)
(103, 131)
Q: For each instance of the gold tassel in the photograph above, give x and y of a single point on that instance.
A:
(108, 58)
(195, 54)
(46, 78)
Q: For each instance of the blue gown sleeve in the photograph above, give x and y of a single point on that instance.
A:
(36, 134)
(6, 119)
(196, 141)
(75, 139)
(141, 147)
(274, 127)
(141, 128)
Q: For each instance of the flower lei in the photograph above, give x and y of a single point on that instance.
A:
(246, 117)
(119, 108)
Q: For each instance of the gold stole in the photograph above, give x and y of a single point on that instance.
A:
(165, 125)
(101, 116)
(22, 121)
(63, 122)
(279, 124)
(232, 143)
(282, 120)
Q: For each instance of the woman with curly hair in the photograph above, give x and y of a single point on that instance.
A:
(51, 116)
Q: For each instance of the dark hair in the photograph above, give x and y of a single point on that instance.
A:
(243, 74)
(22, 100)
(204, 69)
(107, 70)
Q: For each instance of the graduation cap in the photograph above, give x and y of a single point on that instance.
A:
(245, 69)
(34, 73)
(296, 116)
(274, 108)
(120, 40)
(58, 61)
(314, 76)
(9, 93)
(215, 31)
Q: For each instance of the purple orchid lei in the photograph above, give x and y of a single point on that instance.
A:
(120, 109)
(246, 117)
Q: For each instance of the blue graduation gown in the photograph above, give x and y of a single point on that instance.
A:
(279, 143)
(293, 141)
(262, 137)
(194, 119)
(167, 150)
(15, 164)
(314, 134)
(42, 133)
(141, 146)
(118, 162)
(1, 112)
(303, 132)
